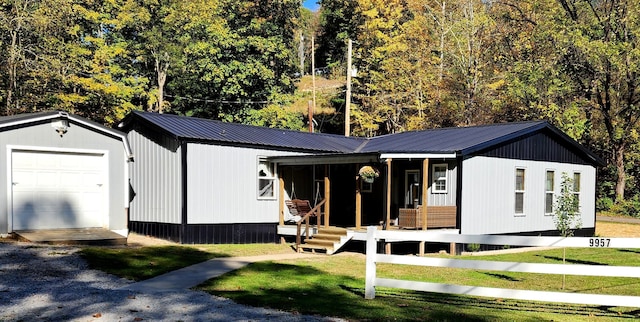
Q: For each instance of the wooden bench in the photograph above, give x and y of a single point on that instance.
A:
(437, 217)
(298, 207)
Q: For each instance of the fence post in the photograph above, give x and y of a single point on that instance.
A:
(370, 271)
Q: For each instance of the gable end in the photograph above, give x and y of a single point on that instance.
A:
(538, 147)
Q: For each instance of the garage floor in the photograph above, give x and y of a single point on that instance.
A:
(83, 236)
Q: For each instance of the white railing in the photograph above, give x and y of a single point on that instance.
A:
(374, 235)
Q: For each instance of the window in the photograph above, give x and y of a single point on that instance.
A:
(439, 178)
(519, 207)
(266, 179)
(549, 192)
(576, 189)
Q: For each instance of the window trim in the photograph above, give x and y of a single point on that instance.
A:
(517, 191)
(434, 180)
(273, 178)
(552, 191)
(578, 192)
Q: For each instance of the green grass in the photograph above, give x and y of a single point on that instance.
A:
(334, 286)
(142, 263)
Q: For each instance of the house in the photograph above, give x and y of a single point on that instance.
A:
(62, 171)
(205, 181)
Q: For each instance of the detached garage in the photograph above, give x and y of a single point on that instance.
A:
(62, 172)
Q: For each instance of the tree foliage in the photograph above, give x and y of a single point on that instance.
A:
(102, 59)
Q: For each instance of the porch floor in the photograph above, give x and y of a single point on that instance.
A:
(359, 234)
(81, 236)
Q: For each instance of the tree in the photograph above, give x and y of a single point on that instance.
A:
(338, 23)
(238, 61)
(598, 42)
(567, 213)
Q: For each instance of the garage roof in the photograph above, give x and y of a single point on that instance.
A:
(20, 120)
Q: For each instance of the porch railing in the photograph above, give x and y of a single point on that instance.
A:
(306, 221)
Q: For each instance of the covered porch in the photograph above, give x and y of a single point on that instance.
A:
(410, 192)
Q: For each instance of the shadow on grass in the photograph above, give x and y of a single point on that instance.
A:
(139, 264)
(309, 290)
(573, 261)
(503, 277)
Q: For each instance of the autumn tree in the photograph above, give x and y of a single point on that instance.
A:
(598, 43)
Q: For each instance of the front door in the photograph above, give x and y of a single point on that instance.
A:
(412, 188)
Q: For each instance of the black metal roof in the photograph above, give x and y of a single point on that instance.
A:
(462, 141)
(197, 129)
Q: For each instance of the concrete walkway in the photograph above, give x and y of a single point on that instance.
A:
(193, 275)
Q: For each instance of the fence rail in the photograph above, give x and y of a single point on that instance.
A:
(374, 235)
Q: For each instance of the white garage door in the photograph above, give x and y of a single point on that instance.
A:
(57, 190)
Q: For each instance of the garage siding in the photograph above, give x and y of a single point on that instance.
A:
(42, 137)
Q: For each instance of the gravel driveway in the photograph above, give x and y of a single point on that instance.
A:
(52, 283)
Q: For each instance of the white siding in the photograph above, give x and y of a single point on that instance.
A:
(488, 195)
(155, 179)
(448, 198)
(222, 185)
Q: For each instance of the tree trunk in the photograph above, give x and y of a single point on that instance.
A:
(161, 72)
(621, 174)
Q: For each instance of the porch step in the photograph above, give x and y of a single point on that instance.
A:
(329, 239)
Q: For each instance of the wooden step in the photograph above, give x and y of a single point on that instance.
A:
(332, 230)
(328, 250)
(323, 236)
(319, 242)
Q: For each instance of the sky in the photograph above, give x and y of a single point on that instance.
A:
(310, 4)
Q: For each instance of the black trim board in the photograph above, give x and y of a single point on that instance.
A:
(250, 233)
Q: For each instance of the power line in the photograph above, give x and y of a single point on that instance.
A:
(207, 100)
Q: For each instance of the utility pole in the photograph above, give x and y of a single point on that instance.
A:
(347, 109)
(301, 54)
(313, 75)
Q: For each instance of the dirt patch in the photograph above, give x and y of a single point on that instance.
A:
(136, 240)
(613, 229)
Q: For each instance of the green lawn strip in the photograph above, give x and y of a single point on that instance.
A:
(334, 286)
(140, 263)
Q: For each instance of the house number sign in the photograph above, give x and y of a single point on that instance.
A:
(599, 242)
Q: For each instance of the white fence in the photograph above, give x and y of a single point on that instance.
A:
(374, 235)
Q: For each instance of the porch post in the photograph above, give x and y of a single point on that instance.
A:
(425, 201)
(327, 195)
(425, 195)
(281, 200)
(388, 192)
(358, 200)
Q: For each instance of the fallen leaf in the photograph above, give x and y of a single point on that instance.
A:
(97, 315)
(138, 319)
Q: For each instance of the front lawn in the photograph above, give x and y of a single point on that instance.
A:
(140, 263)
(334, 286)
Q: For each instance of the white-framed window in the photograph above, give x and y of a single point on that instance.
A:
(576, 189)
(549, 192)
(439, 175)
(266, 179)
(519, 191)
